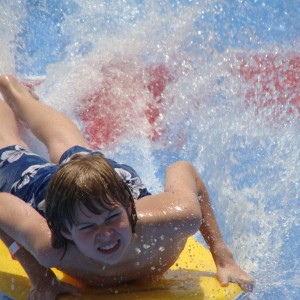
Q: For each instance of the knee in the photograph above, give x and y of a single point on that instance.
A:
(182, 164)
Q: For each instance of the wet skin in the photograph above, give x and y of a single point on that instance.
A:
(104, 237)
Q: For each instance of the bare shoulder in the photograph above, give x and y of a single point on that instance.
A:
(175, 214)
(176, 207)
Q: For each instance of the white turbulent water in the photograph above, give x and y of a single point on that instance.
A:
(249, 162)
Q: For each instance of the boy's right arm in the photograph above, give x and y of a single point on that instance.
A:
(25, 225)
(45, 285)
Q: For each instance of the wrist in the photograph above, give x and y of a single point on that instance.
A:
(14, 248)
(42, 277)
(221, 254)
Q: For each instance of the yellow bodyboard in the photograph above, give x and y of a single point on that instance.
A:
(191, 277)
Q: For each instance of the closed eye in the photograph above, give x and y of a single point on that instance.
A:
(113, 216)
(84, 227)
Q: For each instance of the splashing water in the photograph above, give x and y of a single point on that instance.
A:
(212, 82)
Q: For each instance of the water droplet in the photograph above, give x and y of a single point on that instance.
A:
(145, 246)
(177, 208)
(161, 249)
(138, 250)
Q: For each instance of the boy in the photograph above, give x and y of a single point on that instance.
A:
(103, 227)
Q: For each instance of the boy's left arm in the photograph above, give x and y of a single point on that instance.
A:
(227, 269)
(182, 181)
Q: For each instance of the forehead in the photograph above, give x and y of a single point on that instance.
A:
(81, 208)
(83, 211)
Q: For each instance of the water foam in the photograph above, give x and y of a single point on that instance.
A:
(248, 158)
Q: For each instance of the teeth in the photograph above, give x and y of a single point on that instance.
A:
(108, 247)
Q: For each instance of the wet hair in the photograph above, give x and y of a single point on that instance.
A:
(87, 180)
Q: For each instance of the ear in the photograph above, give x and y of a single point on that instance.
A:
(66, 234)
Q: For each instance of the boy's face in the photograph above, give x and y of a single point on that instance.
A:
(103, 237)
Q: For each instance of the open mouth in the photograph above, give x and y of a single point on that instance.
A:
(108, 249)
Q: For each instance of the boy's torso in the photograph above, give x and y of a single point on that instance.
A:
(161, 233)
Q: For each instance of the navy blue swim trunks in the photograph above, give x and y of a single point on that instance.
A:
(26, 175)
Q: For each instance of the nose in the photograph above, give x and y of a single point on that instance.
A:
(104, 232)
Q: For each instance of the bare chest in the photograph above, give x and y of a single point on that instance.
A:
(145, 261)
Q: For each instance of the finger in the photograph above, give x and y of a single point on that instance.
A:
(247, 284)
(70, 289)
(53, 294)
(247, 287)
(35, 295)
(223, 279)
(31, 295)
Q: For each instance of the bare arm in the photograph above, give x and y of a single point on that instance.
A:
(183, 179)
(227, 268)
(45, 285)
(23, 224)
(177, 207)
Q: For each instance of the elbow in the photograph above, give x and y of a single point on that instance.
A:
(47, 263)
(194, 220)
(188, 225)
(44, 264)
(191, 216)
(44, 261)
(47, 260)
(181, 165)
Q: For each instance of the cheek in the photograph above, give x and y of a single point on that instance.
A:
(126, 228)
(82, 238)
(122, 225)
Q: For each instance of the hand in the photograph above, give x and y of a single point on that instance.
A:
(229, 271)
(233, 273)
(49, 288)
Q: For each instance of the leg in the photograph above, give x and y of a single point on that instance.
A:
(9, 132)
(51, 127)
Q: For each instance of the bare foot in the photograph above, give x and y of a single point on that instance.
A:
(13, 91)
